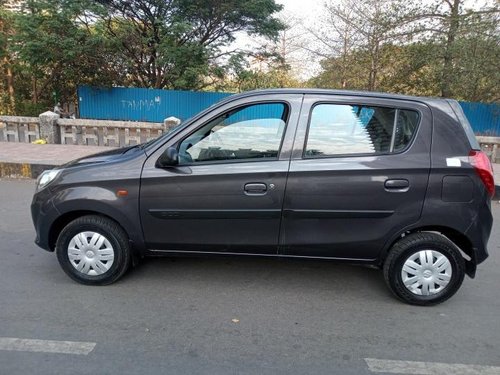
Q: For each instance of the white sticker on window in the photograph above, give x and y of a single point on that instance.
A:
(453, 162)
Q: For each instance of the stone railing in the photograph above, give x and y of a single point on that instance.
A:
(107, 133)
(19, 129)
(491, 146)
(53, 129)
(50, 127)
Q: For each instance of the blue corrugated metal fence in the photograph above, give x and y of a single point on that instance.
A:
(134, 104)
(484, 118)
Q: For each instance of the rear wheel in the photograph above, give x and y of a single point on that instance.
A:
(424, 269)
(93, 250)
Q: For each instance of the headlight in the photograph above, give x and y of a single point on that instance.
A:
(46, 178)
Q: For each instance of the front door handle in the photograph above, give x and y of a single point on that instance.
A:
(255, 188)
(397, 185)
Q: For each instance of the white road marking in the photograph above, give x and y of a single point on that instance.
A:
(428, 368)
(46, 346)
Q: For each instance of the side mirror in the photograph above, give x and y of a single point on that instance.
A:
(169, 158)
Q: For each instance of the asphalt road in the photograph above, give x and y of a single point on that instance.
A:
(231, 316)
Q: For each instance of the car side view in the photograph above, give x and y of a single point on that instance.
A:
(392, 181)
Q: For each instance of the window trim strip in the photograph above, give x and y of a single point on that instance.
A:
(394, 127)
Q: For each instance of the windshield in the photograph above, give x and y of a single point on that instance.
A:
(158, 140)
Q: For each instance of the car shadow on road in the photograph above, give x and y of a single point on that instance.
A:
(261, 273)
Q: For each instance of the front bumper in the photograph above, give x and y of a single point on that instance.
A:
(43, 214)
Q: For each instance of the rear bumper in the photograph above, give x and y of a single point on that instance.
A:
(479, 232)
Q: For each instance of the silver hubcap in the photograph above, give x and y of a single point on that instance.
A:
(426, 272)
(91, 253)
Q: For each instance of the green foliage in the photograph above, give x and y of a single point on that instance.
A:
(57, 45)
(440, 49)
(416, 69)
(28, 108)
(49, 47)
(54, 48)
(264, 69)
(175, 44)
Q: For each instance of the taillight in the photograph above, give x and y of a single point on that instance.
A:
(484, 169)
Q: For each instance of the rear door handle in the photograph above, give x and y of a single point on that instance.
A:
(255, 188)
(397, 185)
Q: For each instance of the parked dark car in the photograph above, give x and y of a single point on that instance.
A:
(393, 181)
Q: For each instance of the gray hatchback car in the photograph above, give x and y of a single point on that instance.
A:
(392, 181)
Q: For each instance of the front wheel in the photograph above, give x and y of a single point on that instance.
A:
(93, 250)
(424, 269)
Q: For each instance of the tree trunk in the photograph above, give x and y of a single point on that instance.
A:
(10, 85)
(374, 66)
(447, 76)
(345, 67)
(34, 96)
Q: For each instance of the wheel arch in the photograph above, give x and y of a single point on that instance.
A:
(65, 218)
(461, 241)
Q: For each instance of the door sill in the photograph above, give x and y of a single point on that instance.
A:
(155, 252)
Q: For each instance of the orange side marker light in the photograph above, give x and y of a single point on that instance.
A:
(121, 193)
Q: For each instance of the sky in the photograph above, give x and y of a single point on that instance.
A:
(302, 8)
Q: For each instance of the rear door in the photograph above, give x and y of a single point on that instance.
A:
(358, 173)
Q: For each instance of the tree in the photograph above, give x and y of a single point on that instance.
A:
(455, 26)
(176, 43)
(266, 63)
(289, 48)
(56, 45)
(58, 48)
(476, 75)
(7, 91)
(335, 43)
(263, 70)
(440, 49)
(353, 26)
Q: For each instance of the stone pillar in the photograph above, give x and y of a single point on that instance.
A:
(170, 122)
(48, 127)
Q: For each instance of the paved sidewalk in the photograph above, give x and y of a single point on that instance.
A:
(12, 152)
(29, 160)
(496, 174)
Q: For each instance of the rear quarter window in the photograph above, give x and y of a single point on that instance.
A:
(457, 109)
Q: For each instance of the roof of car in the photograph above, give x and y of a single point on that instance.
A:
(337, 92)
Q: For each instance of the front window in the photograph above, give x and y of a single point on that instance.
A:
(252, 132)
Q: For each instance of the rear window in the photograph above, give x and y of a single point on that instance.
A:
(339, 129)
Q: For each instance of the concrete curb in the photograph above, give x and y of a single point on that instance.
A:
(24, 170)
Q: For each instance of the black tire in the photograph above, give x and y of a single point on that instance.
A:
(412, 244)
(112, 232)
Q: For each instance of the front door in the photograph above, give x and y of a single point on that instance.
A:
(226, 194)
(358, 174)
